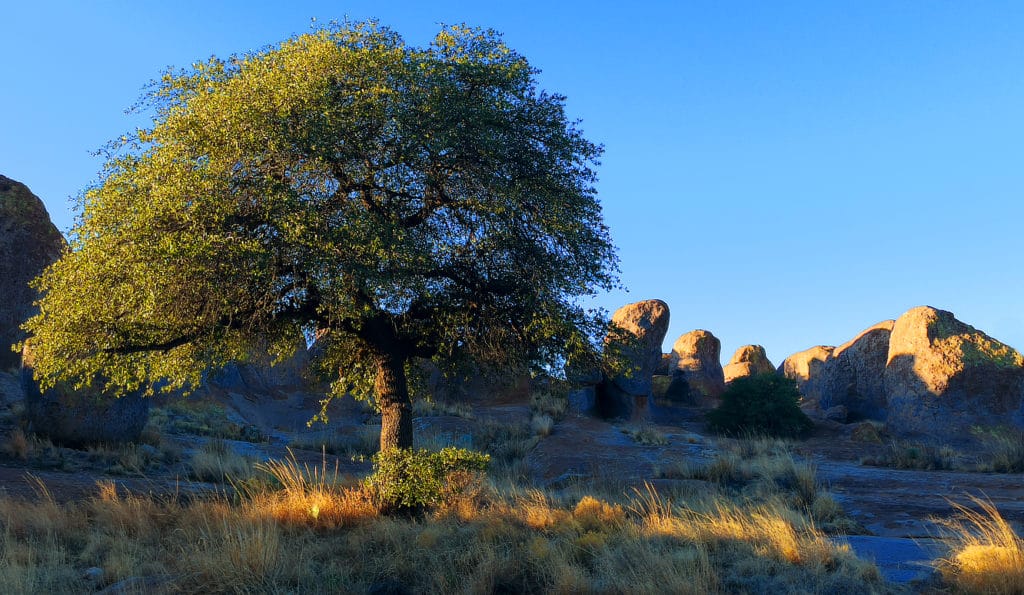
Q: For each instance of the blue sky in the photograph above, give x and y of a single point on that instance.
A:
(783, 173)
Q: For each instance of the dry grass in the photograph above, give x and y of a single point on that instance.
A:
(551, 404)
(646, 435)
(987, 556)
(361, 441)
(313, 496)
(764, 469)
(542, 424)
(217, 462)
(31, 447)
(432, 408)
(309, 530)
(920, 456)
(1004, 449)
(17, 444)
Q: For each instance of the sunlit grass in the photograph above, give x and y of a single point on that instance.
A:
(987, 554)
(309, 529)
(313, 496)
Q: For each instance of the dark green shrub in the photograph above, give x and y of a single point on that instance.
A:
(407, 479)
(762, 404)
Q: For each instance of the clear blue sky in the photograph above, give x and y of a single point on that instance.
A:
(782, 173)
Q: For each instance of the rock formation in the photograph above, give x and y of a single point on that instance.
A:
(697, 375)
(81, 417)
(748, 360)
(260, 375)
(943, 376)
(852, 377)
(924, 373)
(636, 338)
(805, 368)
(29, 243)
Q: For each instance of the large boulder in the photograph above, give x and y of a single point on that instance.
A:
(10, 389)
(81, 417)
(638, 330)
(853, 376)
(29, 242)
(263, 374)
(806, 367)
(943, 376)
(748, 360)
(697, 374)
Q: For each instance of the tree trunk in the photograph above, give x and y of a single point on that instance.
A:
(392, 391)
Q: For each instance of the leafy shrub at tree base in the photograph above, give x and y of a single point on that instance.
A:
(408, 479)
(763, 404)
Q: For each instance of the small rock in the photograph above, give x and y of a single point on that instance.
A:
(93, 574)
(836, 413)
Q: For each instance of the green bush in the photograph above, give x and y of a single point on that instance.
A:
(413, 479)
(762, 404)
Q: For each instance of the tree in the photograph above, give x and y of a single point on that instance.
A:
(764, 404)
(406, 201)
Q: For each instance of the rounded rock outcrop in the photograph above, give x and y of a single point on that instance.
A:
(29, 242)
(638, 330)
(806, 367)
(748, 360)
(853, 376)
(697, 374)
(943, 377)
(81, 417)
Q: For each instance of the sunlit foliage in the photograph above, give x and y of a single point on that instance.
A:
(395, 201)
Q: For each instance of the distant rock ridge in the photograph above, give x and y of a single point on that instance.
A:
(924, 373)
(29, 242)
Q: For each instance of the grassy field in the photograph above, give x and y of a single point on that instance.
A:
(752, 519)
(307, 530)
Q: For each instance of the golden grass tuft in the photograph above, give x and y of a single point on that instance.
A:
(987, 554)
(313, 496)
(216, 461)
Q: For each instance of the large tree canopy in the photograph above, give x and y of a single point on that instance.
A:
(412, 202)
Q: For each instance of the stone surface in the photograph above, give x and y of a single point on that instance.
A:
(644, 324)
(582, 400)
(900, 560)
(805, 367)
(698, 367)
(81, 417)
(10, 389)
(637, 337)
(853, 376)
(748, 360)
(261, 375)
(943, 376)
(664, 367)
(837, 413)
(29, 243)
